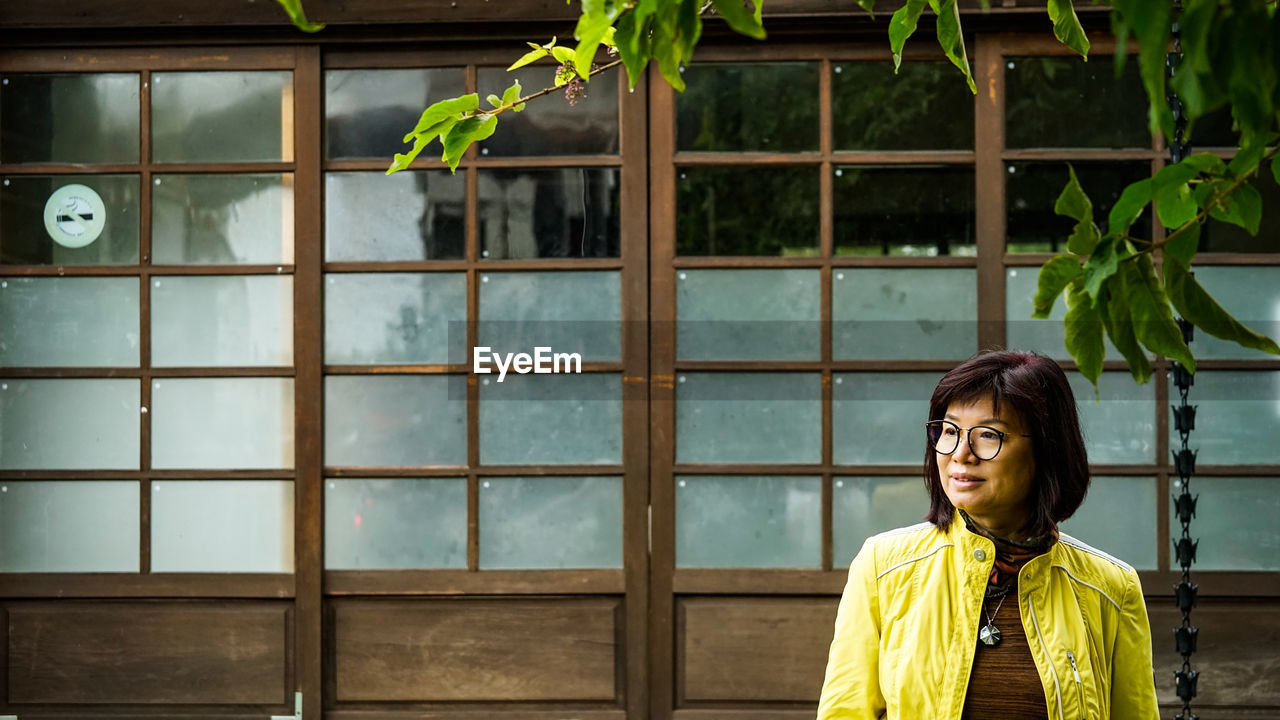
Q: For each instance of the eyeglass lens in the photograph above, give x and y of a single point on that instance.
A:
(984, 442)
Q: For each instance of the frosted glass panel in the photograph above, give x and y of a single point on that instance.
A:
(222, 219)
(24, 240)
(1250, 293)
(748, 314)
(904, 313)
(236, 320)
(60, 526)
(222, 526)
(1119, 517)
(550, 522)
(367, 112)
(748, 521)
(69, 321)
(1238, 419)
(395, 524)
(571, 312)
(232, 423)
(69, 424)
(1235, 521)
(395, 420)
(428, 222)
(1119, 423)
(1022, 332)
(748, 418)
(878, 418)
(69, 118)
(222, 116)
(398, 318)
(866, 506)
(551, 419)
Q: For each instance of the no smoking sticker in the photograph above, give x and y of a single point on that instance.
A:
(74, 216)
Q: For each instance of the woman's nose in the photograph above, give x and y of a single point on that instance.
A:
(963, 453)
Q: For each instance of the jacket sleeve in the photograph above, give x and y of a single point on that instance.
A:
(851, 690)
(1133, 687)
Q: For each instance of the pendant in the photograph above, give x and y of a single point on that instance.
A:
(989, 634)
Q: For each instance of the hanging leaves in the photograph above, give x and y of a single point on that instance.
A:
(293, 8)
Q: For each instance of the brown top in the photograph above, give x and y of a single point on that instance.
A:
(1004, 683)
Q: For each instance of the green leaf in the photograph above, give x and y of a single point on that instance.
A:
(1119, 326)
(471, 130)
(564, 55)
(1176, 206)
(1196, 305)
(596, 21)
(1152, 319)
(1248, 157)
(453, 107)
(1084, 332)
(1183, 247)
(294, 9)
(402, 160)
(634, 41)
(1055, 275)
(537, 53)
(1242, 207)
(1101, 265)
(1207, 163)
(494, 100)
(1121, 30)
(869, 6)
(1066, 26)
(742, 21)
(1150, 22)
(1275, 168)
(901, 26)
(951, 37)
(512, 94)
(1074, 203)
(1132, 202)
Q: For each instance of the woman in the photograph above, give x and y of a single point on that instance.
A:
(986, 610)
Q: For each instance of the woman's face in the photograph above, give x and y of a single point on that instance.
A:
(994, 492)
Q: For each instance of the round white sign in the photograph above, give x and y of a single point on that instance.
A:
(74, 216)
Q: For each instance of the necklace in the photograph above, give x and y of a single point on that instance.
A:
(989, 634)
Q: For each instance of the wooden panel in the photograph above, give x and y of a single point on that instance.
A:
(1236, 654)
(456, 649)
(148, 653)
(734, 649)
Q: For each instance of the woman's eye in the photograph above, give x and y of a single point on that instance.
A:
(990, 435)
(950, 432)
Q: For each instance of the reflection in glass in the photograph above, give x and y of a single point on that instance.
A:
(866, 506)
(222, 116)
(717, 212)
(222, 219)
(411, 215)
(395, 524)
(24, 240)
(914, 210)
(748, 418)
(1033, 188)
(1238, 417)
(747, 314)
(395, 420)
(221, 320)
(1119, 422)
(69, 118)
(721, 108)
(1236, 518)
(885, 313)
(1218, 236)
(570, 311)
(924, 106)
(551, 419)
(68, 321)
(396, 318)
(550, 522)
(748, 521)
(1066, 102)
(69, 526)
(1119, 517)
(878, 418)
(222, 423)
(222, 526)
(368, 112)
(572, 212)
(69, 424)
(1040, 335)
(1249, 292)
(589, 127)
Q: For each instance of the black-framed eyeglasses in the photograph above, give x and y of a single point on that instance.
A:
(944, 436)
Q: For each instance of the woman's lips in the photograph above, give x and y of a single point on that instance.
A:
(964, 481)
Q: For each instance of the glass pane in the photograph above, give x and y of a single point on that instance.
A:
(1024, 332)
(878, 418)
(586, 126)
(368, 112)
(1119, 517)
(242, 320)
(429, 223)
(1233, 538)
(549, 213)
(1033, 188)
(920, 211)
(222, 219)
(866, 506)
(25, 238)
(904, 313)
(715, 217)
(222, 526)
(748, 418)
(395, 318)
(550, 522)
(1215, 130)
(570, 312)
(1238, 419)
(1119, 422)
(69, 118)
(1249, 292)
(222, 116)
(748, 521)
(925, 106)
(1217, 236)
(68, 321)
(748, 314)
(60, 526)
(232, 423)
(552, 419)
(1066, 102)
(395, 524)
(69, 424)
(395, 420)
(720, 109)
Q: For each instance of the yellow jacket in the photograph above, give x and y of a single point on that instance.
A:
(907, 629)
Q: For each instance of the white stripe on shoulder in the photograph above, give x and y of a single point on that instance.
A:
(904, 530)
(1073, 542)
(908, 561)
(1095, 587)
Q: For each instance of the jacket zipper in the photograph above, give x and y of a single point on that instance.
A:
(1079, 685)
(1057, 690)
